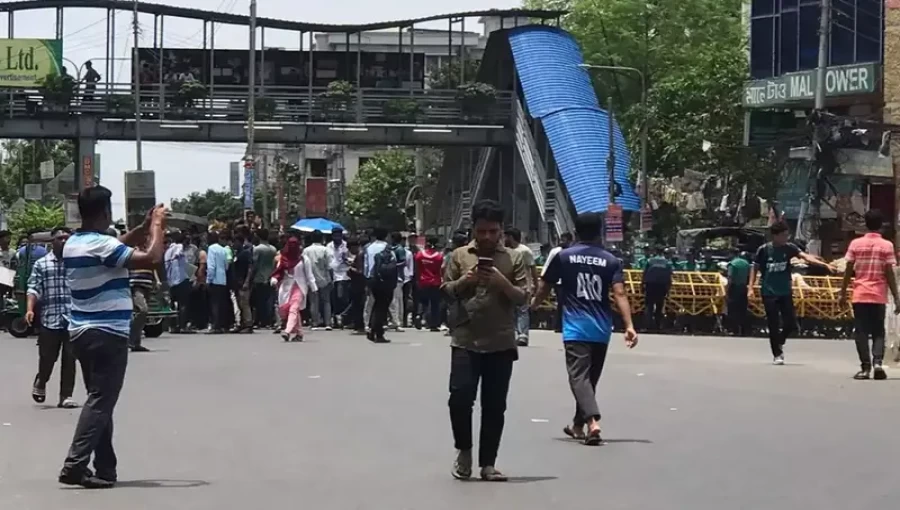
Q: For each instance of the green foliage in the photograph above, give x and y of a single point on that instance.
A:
(378, 193)
(189, 93)
(448, 76)
(57, 89)
(402, 110)
(35, 216)
(21, 161)
(340, 89)
(264, 108)
(213, 205)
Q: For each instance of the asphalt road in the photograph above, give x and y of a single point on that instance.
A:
(238, 422)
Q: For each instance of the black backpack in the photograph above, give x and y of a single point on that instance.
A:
(386, 266)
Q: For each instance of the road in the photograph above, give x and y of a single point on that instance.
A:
(237, 422)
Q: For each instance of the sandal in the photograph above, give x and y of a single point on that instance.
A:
(577, 434)
(489, 474)
(39, 395)
(593, 438)
(68, 403)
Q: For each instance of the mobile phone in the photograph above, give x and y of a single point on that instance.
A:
(485, 262)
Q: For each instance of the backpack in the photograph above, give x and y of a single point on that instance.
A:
(386, 266)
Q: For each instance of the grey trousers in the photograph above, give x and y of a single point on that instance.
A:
(320, 306)
(584, 362)
(139, 320)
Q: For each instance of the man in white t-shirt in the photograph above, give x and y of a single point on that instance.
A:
(523, 313)
(341, 268)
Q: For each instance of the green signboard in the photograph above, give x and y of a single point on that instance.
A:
(26, 62)
(795, 87)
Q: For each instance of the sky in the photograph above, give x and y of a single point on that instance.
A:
(185, 168)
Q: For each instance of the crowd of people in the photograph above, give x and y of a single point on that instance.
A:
(89, 290)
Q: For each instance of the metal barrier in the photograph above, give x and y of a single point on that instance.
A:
(273, 104)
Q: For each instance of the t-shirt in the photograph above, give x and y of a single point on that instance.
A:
(97, 277)
(320, 260)
(264, 260)
(528, 258)
(871, 255)
(774, 262)
(242, 261)
(429, 263)
(587, 273)
(739, 272)
(658, 271)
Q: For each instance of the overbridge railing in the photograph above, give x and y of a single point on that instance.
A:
(272, 104)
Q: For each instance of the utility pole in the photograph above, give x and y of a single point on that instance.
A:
(611, 158)
(420, 204)
(816, 172)
(251, 97)
(136, 77)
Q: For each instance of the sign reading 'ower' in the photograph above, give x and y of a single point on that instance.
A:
(794, 87)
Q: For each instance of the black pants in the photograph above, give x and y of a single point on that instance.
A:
(781, 321)
(355, 316)
(382, 294)
(263, 308)
(200, 308)
(738, 309)
(406, 304)
(104, 358)
(430, 303)
(181, 294)
(869, 322)
(219, 306)
(50, 343)
(654, 305)
(494, 370)
(559, 310)
(584, 363)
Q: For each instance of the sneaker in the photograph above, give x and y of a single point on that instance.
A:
(490, 474)
(398, 329)
(880, 374)
(297, 338)
(862, 375)
(522, 342)
(462, 466)
(381, 340)
(139, 348)
(86, 480)
(779, 360)
(317, 329)
(328, 328)
(286, 337)
(68, 403)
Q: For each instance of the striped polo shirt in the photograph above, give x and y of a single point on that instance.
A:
(98, 280)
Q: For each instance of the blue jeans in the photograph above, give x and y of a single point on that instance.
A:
(523, 322)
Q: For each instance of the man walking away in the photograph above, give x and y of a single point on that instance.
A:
(587, 272)
(341, 293)
(385, 274)
(565, 241)
(321, 261)
(736, 294)
(487, 283)
(657, 281)
(871, 259)
(373, 248)
(97, 274)
(773, 263)
(263, 265)
(429, 262)
(243, 278)
(179, 283)
(142, 282)
(523, 314)
(49, 291)
(217, 282)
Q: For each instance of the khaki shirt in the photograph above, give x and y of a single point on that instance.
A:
(484, 319)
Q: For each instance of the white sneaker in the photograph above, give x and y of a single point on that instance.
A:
(779, 361)
(328, 328)
(317, 329)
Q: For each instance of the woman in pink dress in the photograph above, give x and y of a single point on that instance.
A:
(293, 280)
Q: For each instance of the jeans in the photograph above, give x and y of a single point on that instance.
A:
(50, 343)
(584, 363)
(139, 320)
(494, 371)
(219, 306)
(738, 309)
(523, 323)
(340, 300)
(104, 358)
(430, 300)
(181, 294)
(781, 321)
(243, 299)
(382, 295)
(320, 306)
(654, 305)
(396, 306)
(263, 306)
(869, 322)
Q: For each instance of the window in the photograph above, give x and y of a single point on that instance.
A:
(784, 35)
(317, 167)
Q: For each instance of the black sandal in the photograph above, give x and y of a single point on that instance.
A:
(39, 395)
(577, 435)
(593, 438)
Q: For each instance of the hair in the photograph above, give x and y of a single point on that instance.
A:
(487, 210)
(316, 237)
(396, 237)
(459, 238)
(57, 230)
(94, 202)
(588, 226)
(432, 241)
(566, 236)
(380, 233)
(514, 233)
(779, 227)
(263, 234)
(874, 220)
(353, 242)
(212, 238)
(5, 233)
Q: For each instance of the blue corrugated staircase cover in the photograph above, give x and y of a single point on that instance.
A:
(560, 94)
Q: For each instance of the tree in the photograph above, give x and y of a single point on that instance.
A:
(378, 193)
(447, 75)
(21, 160)
(213, 205)
(35, 217)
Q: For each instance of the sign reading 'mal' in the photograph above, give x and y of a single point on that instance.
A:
(26, 62)
(793, 87)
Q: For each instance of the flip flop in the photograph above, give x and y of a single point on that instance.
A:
(569, 431)
(68, 404)
(593, 438)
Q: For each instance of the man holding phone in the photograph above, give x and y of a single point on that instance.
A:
(486, 283)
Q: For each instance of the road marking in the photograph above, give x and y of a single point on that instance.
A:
(7, 424)
(539, 420)
(641, 374)
(315, 377)
(673, 409)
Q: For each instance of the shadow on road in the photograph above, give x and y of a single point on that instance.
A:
(531, 479)
(605, 441)
(161, 484)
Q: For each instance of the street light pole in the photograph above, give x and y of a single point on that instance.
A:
(251, 97)
(137, 95)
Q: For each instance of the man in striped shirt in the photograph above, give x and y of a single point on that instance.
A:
(97, 267)
(142, 282)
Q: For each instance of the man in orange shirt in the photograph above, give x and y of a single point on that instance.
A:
(871, 259)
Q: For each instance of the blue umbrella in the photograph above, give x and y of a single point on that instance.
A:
(323, 225)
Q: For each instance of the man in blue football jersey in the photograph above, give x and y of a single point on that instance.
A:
(587, 272)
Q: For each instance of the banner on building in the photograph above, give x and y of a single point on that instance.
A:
(249, 186)
(47, 170)
(614, 232)
(140, 184)
(27, 62)
(646, 219)
(87, 172)
(316, 196)
(234, 179)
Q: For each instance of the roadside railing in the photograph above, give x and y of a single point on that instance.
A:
(272, 104)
